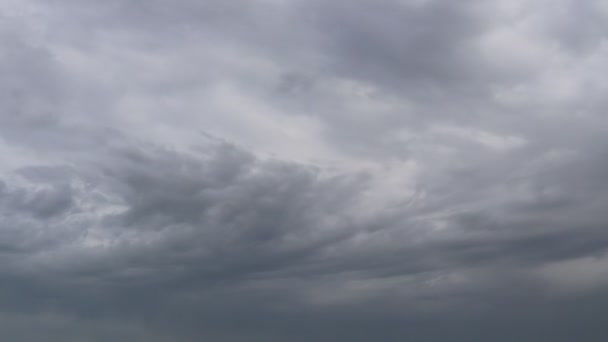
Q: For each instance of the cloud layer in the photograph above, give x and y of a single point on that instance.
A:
(286, 170)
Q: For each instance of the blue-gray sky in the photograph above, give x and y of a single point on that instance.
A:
(303, 170)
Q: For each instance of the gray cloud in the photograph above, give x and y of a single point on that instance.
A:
(296, 171)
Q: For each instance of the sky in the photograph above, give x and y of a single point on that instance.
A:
(303, 170)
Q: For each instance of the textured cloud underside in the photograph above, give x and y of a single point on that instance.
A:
(287, 170)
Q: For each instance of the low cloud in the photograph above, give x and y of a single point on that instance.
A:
(296, 171)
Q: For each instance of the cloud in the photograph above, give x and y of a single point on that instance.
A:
(302, 170)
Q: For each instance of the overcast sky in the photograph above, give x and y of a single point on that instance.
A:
(303, 170)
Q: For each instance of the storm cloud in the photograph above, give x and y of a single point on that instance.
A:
(289, 170)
